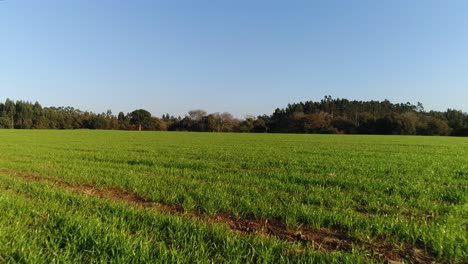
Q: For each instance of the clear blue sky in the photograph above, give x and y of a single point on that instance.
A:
(245, 57)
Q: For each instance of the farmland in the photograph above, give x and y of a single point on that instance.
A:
(117, 196)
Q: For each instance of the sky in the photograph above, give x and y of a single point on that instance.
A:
(246, 57)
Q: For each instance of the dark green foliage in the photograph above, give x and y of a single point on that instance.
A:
(140, 118)
(328, 116)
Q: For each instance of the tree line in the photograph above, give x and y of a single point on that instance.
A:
(329, 115)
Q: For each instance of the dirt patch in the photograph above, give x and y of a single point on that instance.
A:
(27, 175)
(320, 239)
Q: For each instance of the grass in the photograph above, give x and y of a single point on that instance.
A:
(409, 194)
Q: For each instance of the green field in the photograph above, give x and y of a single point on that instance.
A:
(114, 196)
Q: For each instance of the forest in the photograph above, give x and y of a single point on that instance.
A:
(327, 116)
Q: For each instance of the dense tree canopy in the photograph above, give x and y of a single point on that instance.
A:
(140, 118)
(325, 116)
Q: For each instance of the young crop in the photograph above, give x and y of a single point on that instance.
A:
(379, 198)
